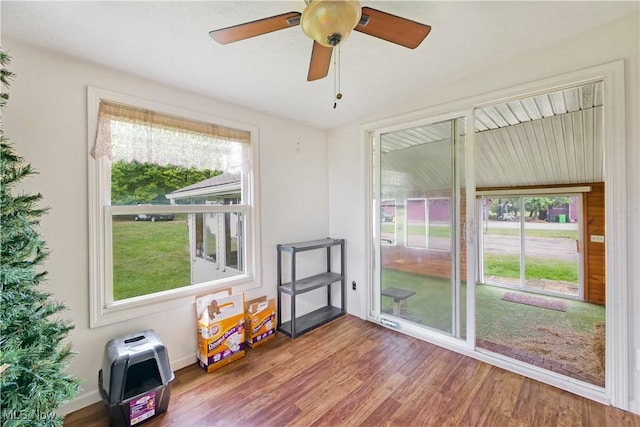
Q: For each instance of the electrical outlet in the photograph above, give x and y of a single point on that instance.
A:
(597, 239)
(353, 285)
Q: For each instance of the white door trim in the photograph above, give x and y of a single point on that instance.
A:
(616, 391)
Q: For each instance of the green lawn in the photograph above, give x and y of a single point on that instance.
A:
(388, 227)
(573, 336)
(534, 232)
(441, 231)
(430, 292)
(149, 257)
(501, 265)
(496, 319)
(434, 230)
(502, 320)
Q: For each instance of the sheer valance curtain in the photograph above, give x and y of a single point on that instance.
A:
(134, 134)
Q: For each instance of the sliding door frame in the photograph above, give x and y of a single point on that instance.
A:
(467, 230)
(616, 391)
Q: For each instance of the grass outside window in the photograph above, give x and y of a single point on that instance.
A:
(494, 316)
(149, 257)
(444, 231)
(502, 265)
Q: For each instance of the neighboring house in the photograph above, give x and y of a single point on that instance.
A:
(214, 244)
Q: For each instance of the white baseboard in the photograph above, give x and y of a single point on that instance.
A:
(89, 398)
(183, 362)
(81, 401)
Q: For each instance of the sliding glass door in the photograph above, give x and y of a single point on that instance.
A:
(419, 182)
(537, 163)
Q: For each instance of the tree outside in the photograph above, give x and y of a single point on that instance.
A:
(141, 183)
(535, 207)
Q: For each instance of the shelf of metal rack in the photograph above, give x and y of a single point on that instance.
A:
(299, 325)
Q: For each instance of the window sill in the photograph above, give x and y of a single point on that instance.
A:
(132, 308)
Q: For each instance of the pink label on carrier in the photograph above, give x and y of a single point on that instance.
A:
(142, 408)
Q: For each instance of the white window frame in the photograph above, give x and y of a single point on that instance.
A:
(427, 223)
(103, 310)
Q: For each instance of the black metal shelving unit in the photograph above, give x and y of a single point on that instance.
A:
(299, 325)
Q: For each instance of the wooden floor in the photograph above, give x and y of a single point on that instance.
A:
(351, 372)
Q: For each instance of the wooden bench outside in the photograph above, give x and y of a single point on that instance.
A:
(398, 295)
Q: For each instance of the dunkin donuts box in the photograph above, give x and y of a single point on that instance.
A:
(260, 321)
(220, 323)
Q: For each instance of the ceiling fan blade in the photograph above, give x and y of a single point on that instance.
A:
(392, 28)
(320, 61)
(255, 28)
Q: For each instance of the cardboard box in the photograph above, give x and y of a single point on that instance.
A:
(220, 322)
(260, 324)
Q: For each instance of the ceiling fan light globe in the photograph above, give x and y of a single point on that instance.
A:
(330, 21)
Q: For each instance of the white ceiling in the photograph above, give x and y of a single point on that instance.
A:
(169, 42)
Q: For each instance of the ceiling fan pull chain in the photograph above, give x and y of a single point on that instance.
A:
(336, 77)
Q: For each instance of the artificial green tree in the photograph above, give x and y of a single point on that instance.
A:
(33, 352)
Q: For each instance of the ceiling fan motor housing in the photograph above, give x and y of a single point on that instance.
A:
(329, 21)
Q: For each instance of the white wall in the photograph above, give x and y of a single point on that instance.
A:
(46, 119)
(614, 41)
(347, 190)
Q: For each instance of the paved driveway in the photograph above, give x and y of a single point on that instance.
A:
(538, 247)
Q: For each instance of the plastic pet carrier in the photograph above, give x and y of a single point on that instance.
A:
(135, 378)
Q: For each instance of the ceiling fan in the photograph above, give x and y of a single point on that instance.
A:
(328, 23)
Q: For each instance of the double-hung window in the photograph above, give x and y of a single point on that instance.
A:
(172, 209)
